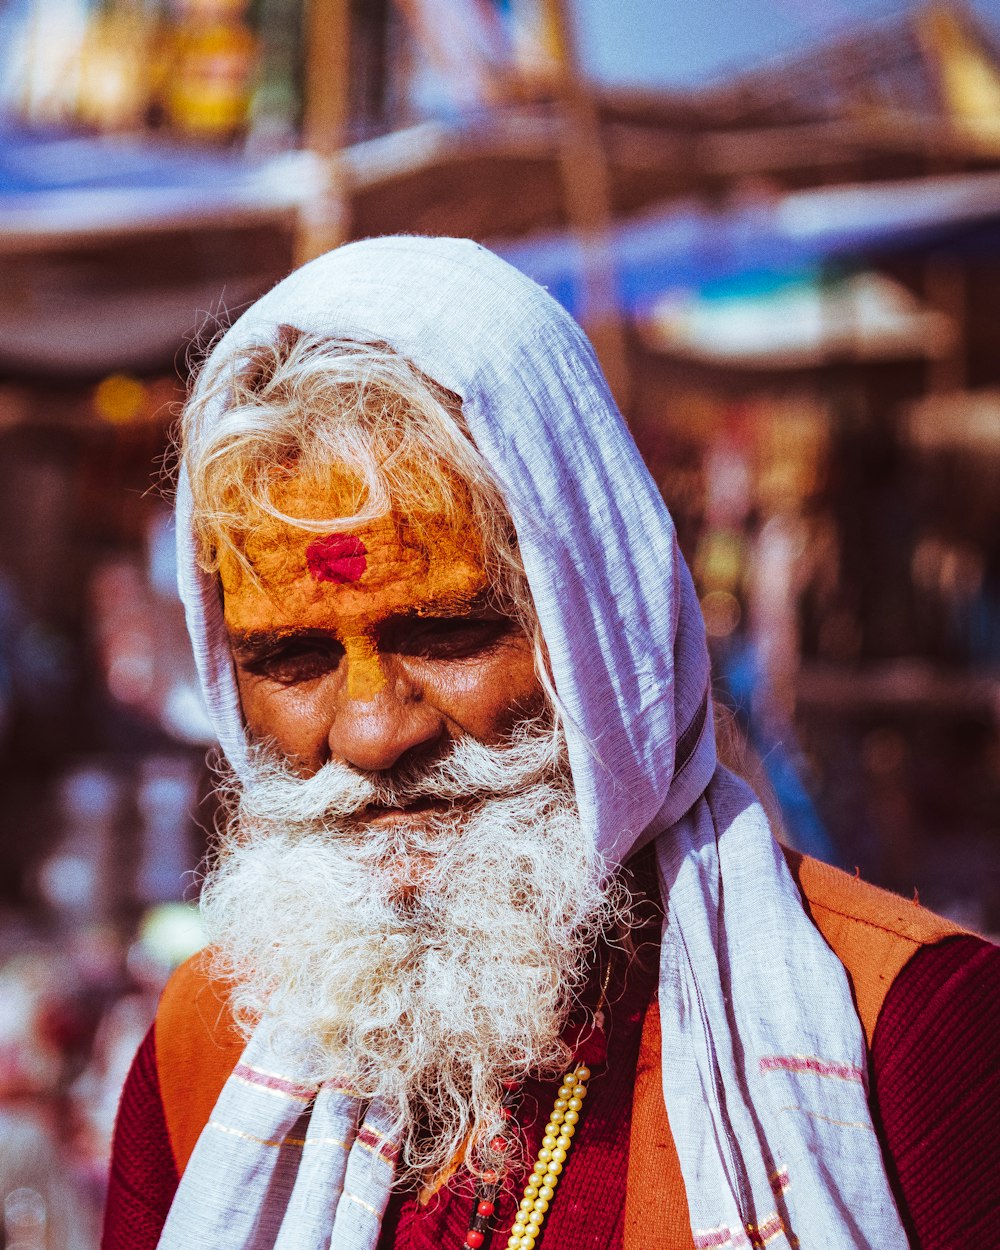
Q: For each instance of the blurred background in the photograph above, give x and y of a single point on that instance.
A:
(779, 221)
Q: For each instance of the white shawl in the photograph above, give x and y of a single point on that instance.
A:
(764, 1061)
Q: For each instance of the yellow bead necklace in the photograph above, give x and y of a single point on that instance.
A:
(541, 1186)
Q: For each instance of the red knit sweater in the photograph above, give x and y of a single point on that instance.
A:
(935, 1062)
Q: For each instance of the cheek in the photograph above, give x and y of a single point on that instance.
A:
(487, 698)
(293, 718)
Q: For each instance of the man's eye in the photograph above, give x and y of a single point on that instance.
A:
(294, 662)
(450, 637)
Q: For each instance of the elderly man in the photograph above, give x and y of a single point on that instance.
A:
(500, 953)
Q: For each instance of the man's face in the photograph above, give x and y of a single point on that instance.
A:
(424, 805)
(374, 646)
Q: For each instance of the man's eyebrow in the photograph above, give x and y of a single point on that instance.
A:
(262, 639)
(447, 604)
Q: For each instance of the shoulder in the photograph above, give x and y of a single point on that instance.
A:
(873, 932)
(193, 1015)
(936, 1089)
(197, 1047)
(142, 1176)
(868, 908)
(948, 995)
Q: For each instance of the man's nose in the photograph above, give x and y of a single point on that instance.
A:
(372, 733)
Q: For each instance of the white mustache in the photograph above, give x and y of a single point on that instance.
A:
(469, 772)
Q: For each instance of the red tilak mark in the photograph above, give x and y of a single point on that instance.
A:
(338, 558)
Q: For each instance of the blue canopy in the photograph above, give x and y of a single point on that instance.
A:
(758, 245)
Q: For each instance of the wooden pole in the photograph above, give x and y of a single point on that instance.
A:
(587, 191)
(324, 220)
(945, 289)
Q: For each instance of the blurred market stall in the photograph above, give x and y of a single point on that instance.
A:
(791, 275)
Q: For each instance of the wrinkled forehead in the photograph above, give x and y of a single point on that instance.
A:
(346, 577)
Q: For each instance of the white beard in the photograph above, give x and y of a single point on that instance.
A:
(424, 962)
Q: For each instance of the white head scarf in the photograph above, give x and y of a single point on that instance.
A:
(750, 995)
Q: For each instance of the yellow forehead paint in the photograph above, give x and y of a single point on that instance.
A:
(347, 583)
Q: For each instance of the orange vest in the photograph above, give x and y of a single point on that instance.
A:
(873, 933)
